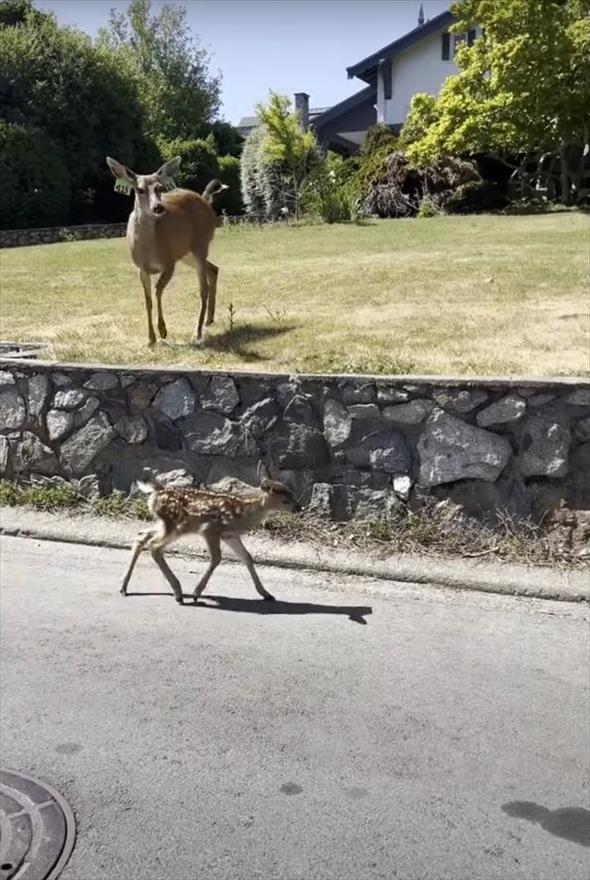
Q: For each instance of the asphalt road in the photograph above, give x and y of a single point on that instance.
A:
(445, 737)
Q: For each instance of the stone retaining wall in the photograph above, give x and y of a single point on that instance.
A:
(354, 446)
(52, 234)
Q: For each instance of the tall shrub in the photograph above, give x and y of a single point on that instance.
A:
(35, 187)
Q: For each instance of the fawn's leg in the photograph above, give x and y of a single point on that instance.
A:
(158, 557)
(141, 541)
(212, 274)
(160, 285)
(238, 548)
(212, 539)
(147, 292)
(204, 291)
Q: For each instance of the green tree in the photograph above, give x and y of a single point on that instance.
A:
(286, 142)
(179, 94)
(52, 79)
(15, 12)
(522, 89)
(262, 180)
(35, 187)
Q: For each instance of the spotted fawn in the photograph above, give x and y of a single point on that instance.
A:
(217, 516)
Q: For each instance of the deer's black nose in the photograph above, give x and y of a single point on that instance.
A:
(158, 209)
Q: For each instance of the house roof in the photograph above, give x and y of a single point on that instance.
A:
(343, 106)
(367, 68)
(254, 121)
(248, 122)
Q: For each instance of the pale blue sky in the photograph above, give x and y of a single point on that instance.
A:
(285, 45)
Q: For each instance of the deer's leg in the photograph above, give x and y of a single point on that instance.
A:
(147, 292)
(212, 274)
(212, 539)
(158, 557)
(142, 540)
(204, 292)
(161, 284)
(235, 544)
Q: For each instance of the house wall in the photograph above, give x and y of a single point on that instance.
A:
(419, 69)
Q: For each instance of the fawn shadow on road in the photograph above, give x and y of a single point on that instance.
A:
(572, 823)
(356, 613)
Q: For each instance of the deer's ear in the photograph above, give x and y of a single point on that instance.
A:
(169, 168)
(121, 171)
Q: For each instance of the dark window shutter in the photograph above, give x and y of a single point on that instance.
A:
(470, 37)
(446, 46)
(387, 73)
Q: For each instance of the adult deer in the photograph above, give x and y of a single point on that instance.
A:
(165, 227)
(217, 516)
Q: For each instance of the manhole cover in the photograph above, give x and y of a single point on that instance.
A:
(37, 829)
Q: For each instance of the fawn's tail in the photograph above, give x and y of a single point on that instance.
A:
(149, 485)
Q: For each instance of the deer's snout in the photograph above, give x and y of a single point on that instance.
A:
(158, 208)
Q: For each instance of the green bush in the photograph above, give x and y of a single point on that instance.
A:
(379, 143)
(35, 189)
(200, 164)
(199, 160)
(476, 196)
(325, 191)
(429, 208)
(230, 200)
(262, 181)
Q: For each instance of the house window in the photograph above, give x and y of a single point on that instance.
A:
(458, 40)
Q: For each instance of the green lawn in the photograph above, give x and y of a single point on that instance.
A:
(461, 295)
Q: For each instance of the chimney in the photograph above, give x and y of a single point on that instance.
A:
(302, 109)
(421, 15)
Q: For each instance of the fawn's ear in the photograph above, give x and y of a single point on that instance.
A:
(121, 171)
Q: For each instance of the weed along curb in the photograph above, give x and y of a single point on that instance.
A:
(501, 578)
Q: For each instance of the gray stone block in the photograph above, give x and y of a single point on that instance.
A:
(450, 450)
(337, 423)
(59, 423)
(221, 395)
(80, 450)
(544, 447)
(38, 389)
(509, 409)
(132, 429)
(176, 400)
(70, 399)
(33, 455)
(12, 408)
(102, 381)
(411, 413)
(459, 401)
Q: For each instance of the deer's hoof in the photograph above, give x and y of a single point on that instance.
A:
(151, 342)
(123, 592)
(162, 331)
(269, 598)
(179, 600)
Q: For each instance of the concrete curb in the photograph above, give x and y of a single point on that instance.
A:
(496, 577)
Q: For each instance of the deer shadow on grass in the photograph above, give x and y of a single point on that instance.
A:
(237, 340)
(355, 613)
